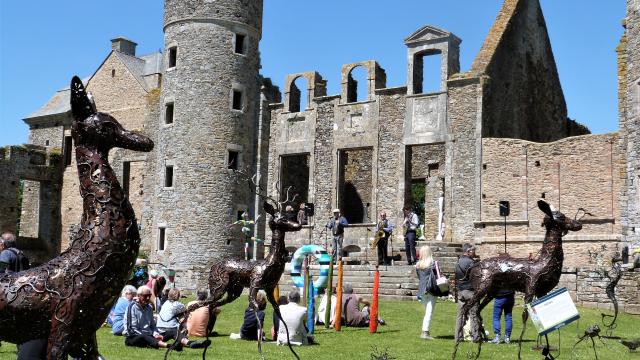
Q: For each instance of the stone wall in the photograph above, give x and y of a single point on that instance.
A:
(588, 288)
(47, 136)
(577, 172)
(355, 185)
(522, 98)
(40, 169)
(463, 157)
(629, 91)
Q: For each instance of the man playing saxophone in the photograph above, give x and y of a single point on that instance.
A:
(384, 228)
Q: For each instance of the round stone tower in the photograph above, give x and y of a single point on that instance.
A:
(208, 114)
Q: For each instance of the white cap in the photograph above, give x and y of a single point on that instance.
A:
(336, 211)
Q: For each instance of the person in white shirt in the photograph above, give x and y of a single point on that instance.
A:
(322, 309)
(295, 317)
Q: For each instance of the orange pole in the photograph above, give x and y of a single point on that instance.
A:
(373, 316)
(338, 320)
(276, 292)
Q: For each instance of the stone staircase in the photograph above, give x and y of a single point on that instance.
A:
(397, 282)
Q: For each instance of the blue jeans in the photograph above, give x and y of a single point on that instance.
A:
(503, 304)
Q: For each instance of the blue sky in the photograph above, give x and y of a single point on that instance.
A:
(44, 43)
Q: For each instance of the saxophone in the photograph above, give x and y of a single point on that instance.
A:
(379, 235)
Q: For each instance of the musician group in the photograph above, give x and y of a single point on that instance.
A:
(384, 229)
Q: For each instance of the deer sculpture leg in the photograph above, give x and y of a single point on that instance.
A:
(60, 334)
(525, 317)
(276, 309)
(254, 305)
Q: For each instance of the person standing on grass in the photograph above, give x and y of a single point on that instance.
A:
(426, 271)
(503, 302)
(465, 292)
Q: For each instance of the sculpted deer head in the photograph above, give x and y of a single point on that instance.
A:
(279, 222)
(555, 220)
(100, 130)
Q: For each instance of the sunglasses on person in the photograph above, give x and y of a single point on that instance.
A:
(145, 295)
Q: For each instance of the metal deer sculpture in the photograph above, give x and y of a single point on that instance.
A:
(67, 299)
(614, 275)
(535, 278)
(231, 276)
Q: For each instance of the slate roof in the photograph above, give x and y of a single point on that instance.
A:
(138, 66)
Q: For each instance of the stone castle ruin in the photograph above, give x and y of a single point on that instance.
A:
(497, 131)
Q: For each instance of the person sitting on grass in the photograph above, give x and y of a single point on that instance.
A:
(282, 300)
(250, 329)
(116, 316)
(201, 321)
(295, 316)
(140, 327)
(322, 308)
(168, 323)
(351, 313)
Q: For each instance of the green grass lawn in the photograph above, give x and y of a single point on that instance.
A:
(400, 336)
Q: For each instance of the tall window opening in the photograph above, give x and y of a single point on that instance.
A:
(126, 177)
(233, 159)
(173, 55)
(427, 74)
(161, 238)
(29, 208)
(237, 100)
(240, 44)
(294, 174)
(68, 147)
(358, 84)
(168, 176)
(418, 195)
(298, 95)
(168, 113)
(355, 185)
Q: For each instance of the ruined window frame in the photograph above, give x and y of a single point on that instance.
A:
(351, 92)
(245, 43)
(172, 57)
(235, 148)
(296, 106)
(161, 238)
(68, 150)
(238, 89)
(418, 80)
(172, 183)
(169, 105)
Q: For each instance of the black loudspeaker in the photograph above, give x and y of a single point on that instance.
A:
(504, 208)
(309, 209)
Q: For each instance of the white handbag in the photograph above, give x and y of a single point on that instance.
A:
(441, 281)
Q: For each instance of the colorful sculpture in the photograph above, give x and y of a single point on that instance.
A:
(532, 277)
(67, 299)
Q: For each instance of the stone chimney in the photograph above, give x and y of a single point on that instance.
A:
(124, 46)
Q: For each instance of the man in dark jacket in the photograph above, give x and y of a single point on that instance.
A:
(465, 292)
(11, 258)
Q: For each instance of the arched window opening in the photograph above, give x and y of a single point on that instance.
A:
(298, 93)
(427, 74)
(357, 84)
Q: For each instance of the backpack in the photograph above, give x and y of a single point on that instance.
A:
(22, 262)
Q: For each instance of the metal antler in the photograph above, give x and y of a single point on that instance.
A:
(584, 213)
